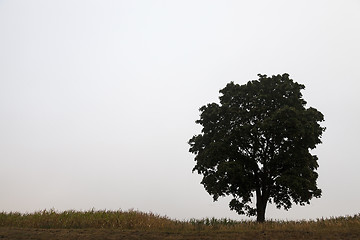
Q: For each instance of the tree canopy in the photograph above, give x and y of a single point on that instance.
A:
(257, 140)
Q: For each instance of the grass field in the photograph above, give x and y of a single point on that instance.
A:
(50, 224)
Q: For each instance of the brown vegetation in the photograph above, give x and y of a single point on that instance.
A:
(138, 225)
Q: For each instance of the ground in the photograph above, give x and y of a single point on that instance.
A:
(7, 233)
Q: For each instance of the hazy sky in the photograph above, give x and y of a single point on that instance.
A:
(99, 98)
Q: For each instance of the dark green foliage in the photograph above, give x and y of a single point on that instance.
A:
(258, 140)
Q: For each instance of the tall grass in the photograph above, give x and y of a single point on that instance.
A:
(135, 220)
(86, 219)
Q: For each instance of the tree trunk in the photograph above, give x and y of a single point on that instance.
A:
(261, 203)
(260, 211)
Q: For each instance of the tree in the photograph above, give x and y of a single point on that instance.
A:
(258, 140)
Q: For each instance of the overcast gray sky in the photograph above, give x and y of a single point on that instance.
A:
(98, 98)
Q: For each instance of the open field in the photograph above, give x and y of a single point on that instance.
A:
(138, 225)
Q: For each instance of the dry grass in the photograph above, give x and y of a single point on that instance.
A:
(126, 220)
(131, 222)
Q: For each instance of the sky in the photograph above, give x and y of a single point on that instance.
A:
(98, 99)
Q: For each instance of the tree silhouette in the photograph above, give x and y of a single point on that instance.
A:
(258, 140)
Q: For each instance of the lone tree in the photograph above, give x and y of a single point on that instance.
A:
(258, 140)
